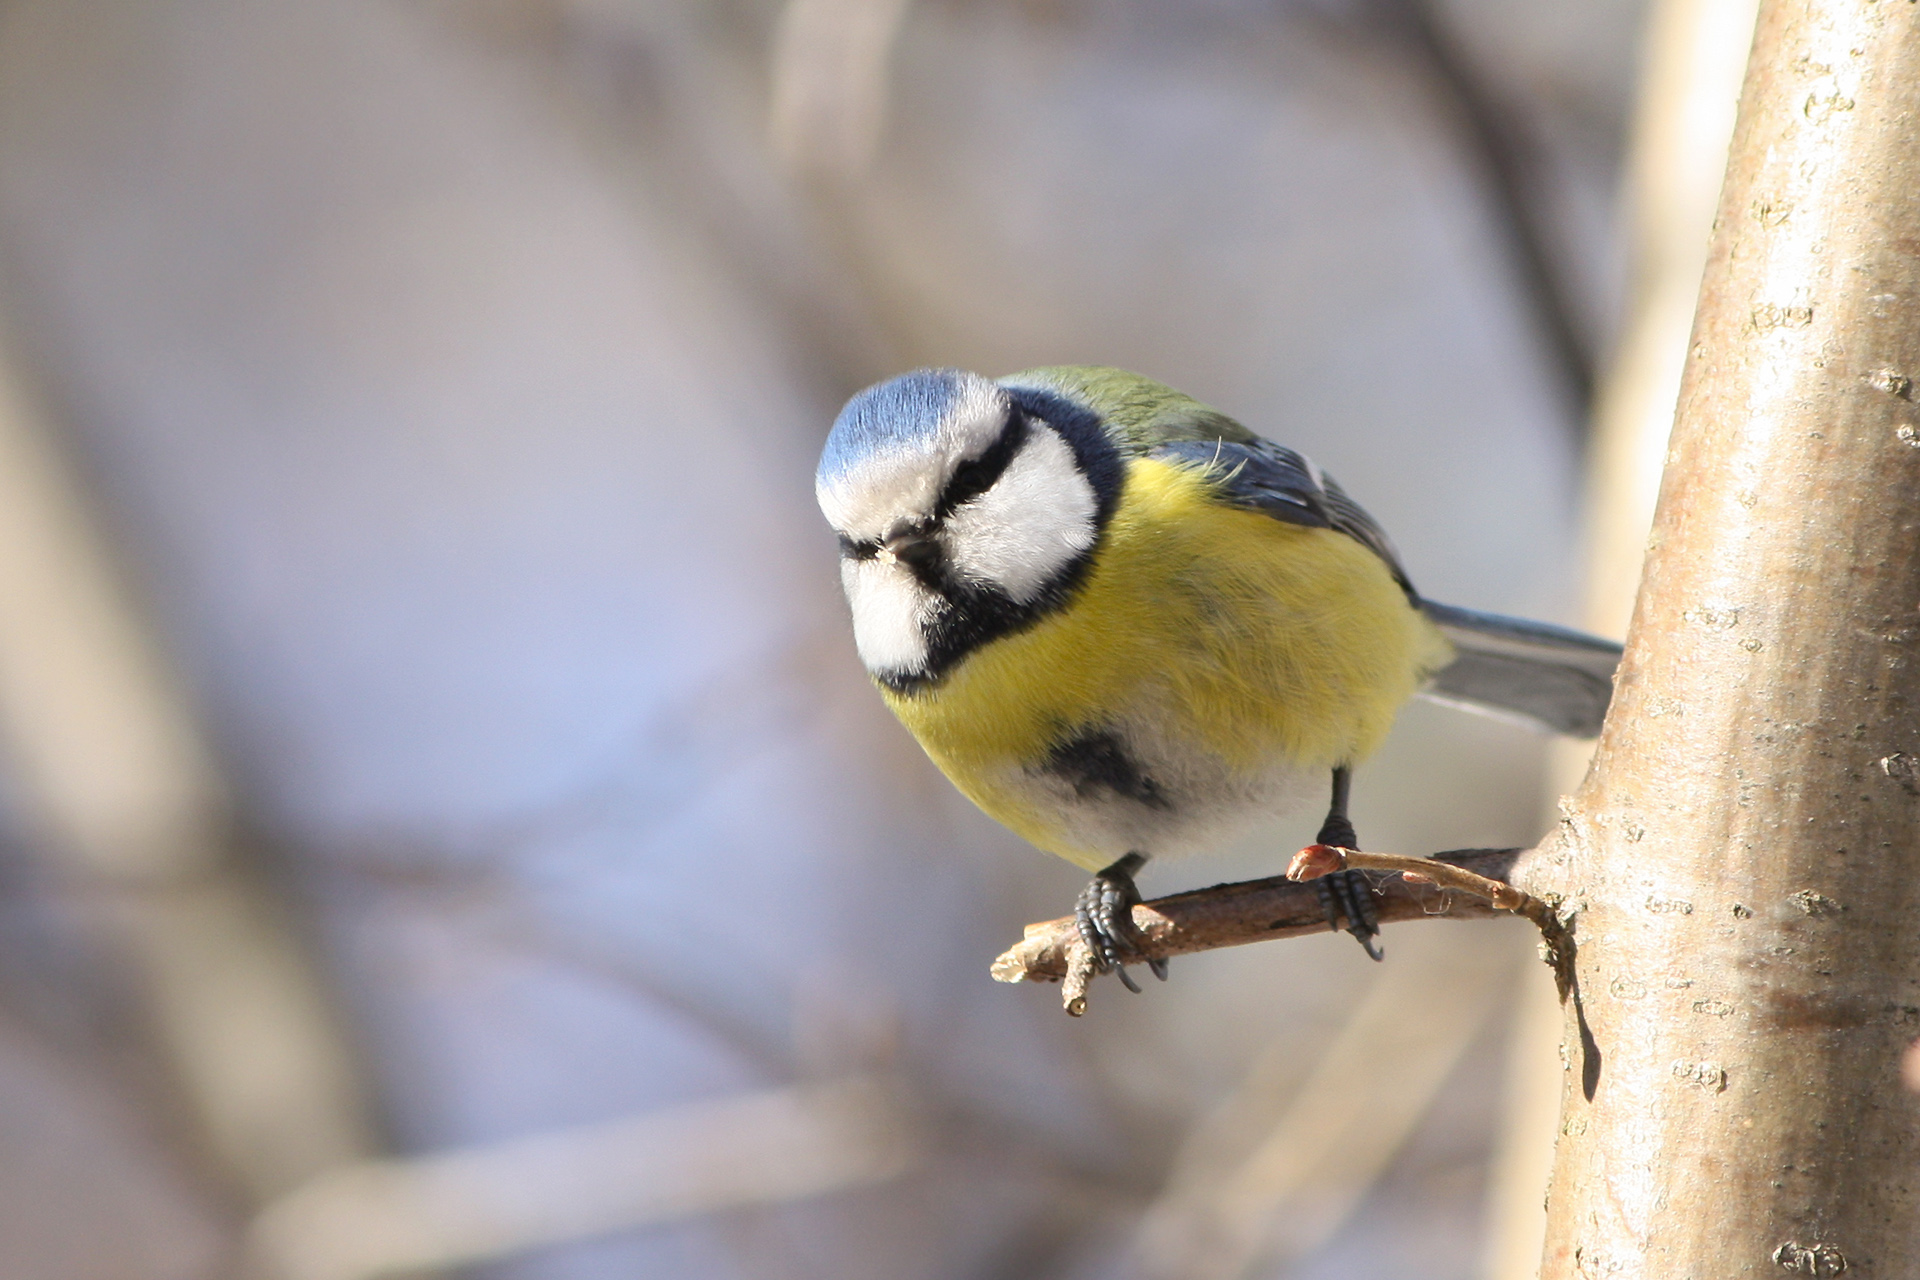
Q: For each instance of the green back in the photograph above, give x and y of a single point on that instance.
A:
(1138, 412)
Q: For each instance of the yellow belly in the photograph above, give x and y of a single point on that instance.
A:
(1243, 643)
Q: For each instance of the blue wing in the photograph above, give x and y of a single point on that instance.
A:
(1259, 475)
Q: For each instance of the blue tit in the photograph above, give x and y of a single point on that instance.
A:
(1125, 626)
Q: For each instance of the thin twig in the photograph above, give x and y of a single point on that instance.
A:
(1319, 860)
(1231, 915)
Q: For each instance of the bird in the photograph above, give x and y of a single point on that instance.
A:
(1126, 627)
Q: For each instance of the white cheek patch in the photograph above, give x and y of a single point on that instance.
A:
(1030, 525)
(891, 612)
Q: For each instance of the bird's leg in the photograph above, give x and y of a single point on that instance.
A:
(1346, 894)
(1104, 912)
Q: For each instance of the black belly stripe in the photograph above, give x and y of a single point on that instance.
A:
(1095, 761)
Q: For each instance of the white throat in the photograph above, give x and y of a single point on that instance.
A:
(891, 613)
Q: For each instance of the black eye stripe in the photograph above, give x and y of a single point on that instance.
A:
(969, 480)
(977, 475)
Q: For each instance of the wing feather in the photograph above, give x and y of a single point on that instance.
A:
(1259, 475)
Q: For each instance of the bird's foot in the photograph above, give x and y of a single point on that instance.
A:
(1344, 894)
(1104, 913)
(1349, 894)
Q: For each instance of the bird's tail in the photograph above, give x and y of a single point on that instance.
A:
(1546, 675)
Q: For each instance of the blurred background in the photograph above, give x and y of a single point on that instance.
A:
(444, 827)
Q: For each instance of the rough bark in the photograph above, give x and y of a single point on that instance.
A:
(1740, 862)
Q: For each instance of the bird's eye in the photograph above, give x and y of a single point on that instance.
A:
(970, 479)
(977, 475)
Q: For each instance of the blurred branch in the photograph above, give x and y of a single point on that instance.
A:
(379, 1218)
(831, 65)
(120, 791)
(1231, 915)
(1696, 53)
(1275, 1171)
(1502, 153)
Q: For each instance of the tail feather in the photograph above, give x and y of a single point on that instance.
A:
(1549, 676)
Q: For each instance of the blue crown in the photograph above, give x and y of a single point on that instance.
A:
(891, 415)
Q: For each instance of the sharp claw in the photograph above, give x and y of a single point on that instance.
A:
(1348, 895)
(1126, 979)
(1158, 968)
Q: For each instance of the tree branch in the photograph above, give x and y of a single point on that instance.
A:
(1743, 848)
(1231, 915)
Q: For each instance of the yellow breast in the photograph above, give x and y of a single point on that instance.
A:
(1241, 639)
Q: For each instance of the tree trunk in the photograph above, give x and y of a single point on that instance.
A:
(1741, 859)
